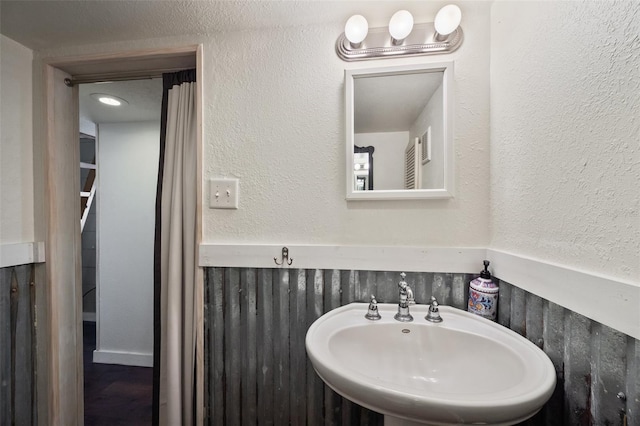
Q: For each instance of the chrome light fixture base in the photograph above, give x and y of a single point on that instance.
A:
(423, 40)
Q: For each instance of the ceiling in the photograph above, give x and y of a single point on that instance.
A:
(392, 103)
(144, 99)
(53, 24)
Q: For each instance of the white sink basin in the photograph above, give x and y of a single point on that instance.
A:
(464, 370)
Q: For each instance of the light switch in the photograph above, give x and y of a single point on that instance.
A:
(224, 193)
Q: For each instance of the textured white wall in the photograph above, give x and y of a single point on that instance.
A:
(127, 177)
(16, 143)
(565, 132)
(388, 157)
(276, 99)
(274, 117)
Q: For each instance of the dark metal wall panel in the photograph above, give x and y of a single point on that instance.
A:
(297, 352)
(208, 360)
(315, 308)
(504, 305)
(553, 345)
(332, 299)
(460, 291)
(608, 370)
(632, 388)
(248, 333)
(533, 319)
(441, 289)
(421, 283)
(5, 343)
(387, 285)
(256, 322)
(17, 346)
(280, 347)
(215, 345)
(264, 338)
(232, 347)
(24, 356)
(518, 311)
(348, 286)
(553, 334)
(577, 370)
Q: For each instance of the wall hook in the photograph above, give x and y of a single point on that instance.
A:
(285, 258)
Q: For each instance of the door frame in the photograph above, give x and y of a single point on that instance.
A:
(60, 364)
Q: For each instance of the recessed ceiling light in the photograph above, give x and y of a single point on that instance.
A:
(109, 99)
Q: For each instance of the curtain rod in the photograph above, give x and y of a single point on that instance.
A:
(104, 78)
(87, 80)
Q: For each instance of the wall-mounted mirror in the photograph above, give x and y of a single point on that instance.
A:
(399, 118)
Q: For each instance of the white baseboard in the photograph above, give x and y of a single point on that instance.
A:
(123, 358)
(89, 316)
(21, 254)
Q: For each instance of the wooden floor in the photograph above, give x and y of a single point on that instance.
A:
(114, 395)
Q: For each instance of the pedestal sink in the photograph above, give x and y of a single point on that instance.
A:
(464, 370)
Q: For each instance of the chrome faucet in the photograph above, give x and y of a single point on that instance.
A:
(434, 313)
(406, 299)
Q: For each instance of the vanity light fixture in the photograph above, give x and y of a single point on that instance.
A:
(402, 37)
(108, 99)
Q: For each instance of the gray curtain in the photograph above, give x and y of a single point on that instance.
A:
(175, 263)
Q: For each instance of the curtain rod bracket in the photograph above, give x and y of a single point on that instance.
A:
(68, 82)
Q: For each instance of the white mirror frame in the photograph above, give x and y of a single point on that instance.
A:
(402, 194)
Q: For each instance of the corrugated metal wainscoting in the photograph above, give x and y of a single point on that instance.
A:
(257, 370)
(17, 346)
(594, 363)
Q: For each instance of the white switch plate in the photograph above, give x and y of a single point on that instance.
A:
(224, 193)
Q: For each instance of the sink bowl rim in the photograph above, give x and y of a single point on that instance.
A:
(535, 394)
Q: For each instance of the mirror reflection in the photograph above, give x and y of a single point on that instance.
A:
(363, 168)
(401, 114)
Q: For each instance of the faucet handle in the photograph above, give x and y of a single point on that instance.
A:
(434, 305)
(372, 313)
(433, 314)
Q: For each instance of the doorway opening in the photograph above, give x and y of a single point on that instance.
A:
(61, 366)
(118, 174)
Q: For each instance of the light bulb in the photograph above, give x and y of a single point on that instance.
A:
(400, 25)
(448, 19)
(356, 29)
(109, 101)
